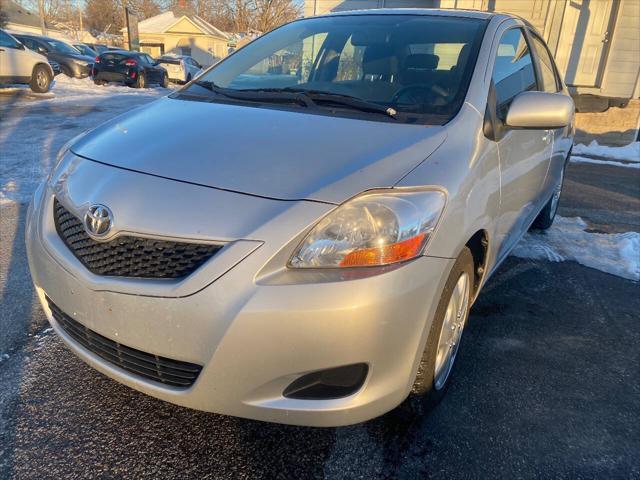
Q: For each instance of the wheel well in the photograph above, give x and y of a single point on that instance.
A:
(46, 65)
(478, 245)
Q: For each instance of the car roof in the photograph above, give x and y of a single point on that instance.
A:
(440, 12)
(122, 52)
(38, 37)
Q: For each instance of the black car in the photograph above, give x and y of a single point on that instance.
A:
(132, 68)
(72, 62)
(85, 50)
(97, 47)
(55, 66)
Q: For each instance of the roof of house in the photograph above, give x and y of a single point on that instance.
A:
(163, 22)
(19, 15)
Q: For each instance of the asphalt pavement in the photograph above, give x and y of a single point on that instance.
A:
(547, 385)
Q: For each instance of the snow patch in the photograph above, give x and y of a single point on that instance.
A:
(629, 153)
(577, 159)
(568, 239)
(33, 130)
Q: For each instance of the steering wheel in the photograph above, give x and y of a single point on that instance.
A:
(419, 94)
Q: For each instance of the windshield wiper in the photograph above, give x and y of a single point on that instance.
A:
(335, 98)
(308, 98)
(258, 95)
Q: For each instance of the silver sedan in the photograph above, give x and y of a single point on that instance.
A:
(298, 235)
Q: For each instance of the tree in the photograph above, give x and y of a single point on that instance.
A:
(104, 16)
(4, 18)
(144, 8)
(51, 8)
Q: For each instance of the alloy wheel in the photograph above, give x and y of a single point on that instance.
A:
(42, 79)
(451, 332)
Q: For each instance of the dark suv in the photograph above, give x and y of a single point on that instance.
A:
(72, 62)
(132, 68)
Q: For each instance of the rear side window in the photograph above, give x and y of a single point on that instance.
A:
(30, 44)
(113, 57)
(513, 71)
(549, 81)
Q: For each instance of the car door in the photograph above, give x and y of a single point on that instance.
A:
(550, 82)
(194, 67)
(524, 154)
(15, 62)
(153, 70)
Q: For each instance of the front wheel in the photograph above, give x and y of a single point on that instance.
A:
(443, 342)
(165, 81)
(545, 218)
(40, 79)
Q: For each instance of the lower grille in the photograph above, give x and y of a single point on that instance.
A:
(152, 367)
(129, 256)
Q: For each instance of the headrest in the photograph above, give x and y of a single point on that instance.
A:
(377, 60)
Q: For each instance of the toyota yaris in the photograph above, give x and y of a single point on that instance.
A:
(297, 235)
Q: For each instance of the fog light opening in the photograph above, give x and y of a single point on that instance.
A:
(328, 384)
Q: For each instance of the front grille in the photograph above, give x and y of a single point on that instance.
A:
(152, 367)
(128, 256)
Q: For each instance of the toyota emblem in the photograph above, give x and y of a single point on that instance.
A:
(98, 221)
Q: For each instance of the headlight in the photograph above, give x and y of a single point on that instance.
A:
(64, 149)
(377, 228)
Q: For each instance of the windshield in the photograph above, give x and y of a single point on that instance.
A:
(62, 47)
(86, 50)
(416, 64)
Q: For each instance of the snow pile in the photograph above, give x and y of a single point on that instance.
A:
(629, 152)
(617, 254)
(576, 159)
(74, 87)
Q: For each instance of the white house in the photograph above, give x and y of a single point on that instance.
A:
(181, 34)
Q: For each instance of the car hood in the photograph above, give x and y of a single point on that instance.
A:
(280, 154)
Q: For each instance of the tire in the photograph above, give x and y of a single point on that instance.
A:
(545, 218)
(40, 79)
(141, 82)
(100, 82)
(434, 371)
(188, 79)
(165, 81)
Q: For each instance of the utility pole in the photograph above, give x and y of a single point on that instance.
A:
(81, 34)
(43, 25)
(125, 19)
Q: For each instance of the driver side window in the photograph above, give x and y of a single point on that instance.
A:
(513, 71)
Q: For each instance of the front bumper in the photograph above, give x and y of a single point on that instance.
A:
(252, 333)
(81, 70)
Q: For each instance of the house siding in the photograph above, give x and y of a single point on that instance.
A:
(623, 63)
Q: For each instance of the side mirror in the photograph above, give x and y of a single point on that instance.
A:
(42, 50)
(540, 110)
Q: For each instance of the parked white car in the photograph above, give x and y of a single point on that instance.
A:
(181, 68)
(21, 65)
